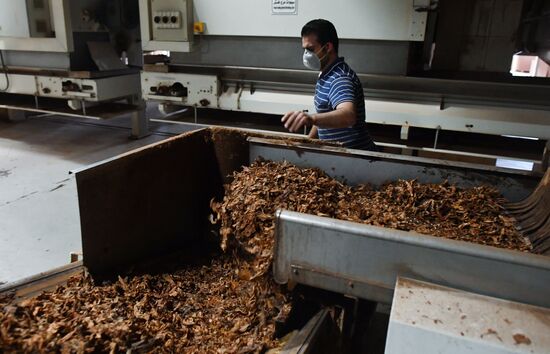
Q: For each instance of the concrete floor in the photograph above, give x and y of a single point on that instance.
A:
(39, 219)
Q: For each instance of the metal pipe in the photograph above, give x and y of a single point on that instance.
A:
(518, 94)
(436, 136)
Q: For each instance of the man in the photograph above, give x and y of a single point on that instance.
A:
(339, 99)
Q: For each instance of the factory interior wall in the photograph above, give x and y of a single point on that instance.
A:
(369, 57)
(10, 19)
(476, 35)
(542, 36)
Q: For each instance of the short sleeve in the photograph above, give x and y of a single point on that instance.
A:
(341, 90)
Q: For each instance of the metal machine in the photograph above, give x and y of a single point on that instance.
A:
(64, 57)
(251, 61)
(360, 261)
(221, 57)
(353, 259)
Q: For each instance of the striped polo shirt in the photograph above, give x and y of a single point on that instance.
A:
(336, 85)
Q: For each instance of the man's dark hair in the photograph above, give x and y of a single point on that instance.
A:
(324, 30)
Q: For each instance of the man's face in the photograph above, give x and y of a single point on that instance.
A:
(310, 43)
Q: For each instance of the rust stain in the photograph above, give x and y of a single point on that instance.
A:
(521, 339)
(489, 332)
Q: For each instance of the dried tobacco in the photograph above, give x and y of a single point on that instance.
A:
(247, 211)
(230, 305)
(199, 309)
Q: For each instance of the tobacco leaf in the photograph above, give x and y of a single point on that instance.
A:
(246, 214)
(231, 304)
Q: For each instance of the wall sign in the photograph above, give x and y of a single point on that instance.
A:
(284, 7)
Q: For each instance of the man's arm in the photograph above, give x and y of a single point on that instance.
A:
(342, 117)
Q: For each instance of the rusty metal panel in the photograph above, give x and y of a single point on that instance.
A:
(37, 284)
(232, 150)
(147, 202)
(155, 200)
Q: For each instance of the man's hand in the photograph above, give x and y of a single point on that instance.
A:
(345, 115)
(295, 121)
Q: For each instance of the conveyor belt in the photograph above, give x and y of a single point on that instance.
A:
(365, 261)
(335, 255)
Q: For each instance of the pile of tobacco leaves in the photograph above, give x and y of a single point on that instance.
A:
(230, 304)
(247, 211)
(200, 309)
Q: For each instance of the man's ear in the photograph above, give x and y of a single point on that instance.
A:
(330, 47)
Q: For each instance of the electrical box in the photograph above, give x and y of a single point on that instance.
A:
(180, 88)
(39, 17)
(171, 20)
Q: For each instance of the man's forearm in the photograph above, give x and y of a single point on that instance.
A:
(344, 116)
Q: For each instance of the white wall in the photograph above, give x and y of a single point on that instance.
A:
(13, 19)
(354, 19)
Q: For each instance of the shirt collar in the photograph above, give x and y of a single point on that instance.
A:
(331, 67)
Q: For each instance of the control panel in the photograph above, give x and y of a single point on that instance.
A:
(171, 20)
(167, 19)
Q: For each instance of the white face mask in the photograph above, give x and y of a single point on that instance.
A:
(311, 60)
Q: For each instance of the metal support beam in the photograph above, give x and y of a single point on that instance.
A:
(405, 132)
(140, 121)
(436, 136)
(14, 115)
